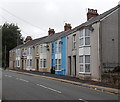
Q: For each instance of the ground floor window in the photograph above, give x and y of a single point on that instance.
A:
(58, 64)
(17, 63)
(29, 62)
(43, 63)
(84, 63)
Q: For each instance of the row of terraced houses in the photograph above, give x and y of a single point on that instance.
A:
(84, 51)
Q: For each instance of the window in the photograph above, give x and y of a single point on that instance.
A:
(81, 33)
(17, 63)
(41, 51)
(30, 62)
(18, 52)
(87, 58)
(58, 46)
(87, 40)
(84, 63)
(81, 68)
(58, 64)
(84, 37)
(87, 63)
(30, 50)
(81, 59)
(74, 41)
(81, 41)
(52, 48)
(81, 64)
(43, 63)
(43, 48)
(87, 37)
(37, 49)
(27, 62)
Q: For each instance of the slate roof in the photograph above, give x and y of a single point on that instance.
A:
(56, 36)
(59, 35)
(29, 43)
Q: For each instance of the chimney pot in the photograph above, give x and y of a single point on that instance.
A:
(91, 13)
(51, 31)
(67, 26)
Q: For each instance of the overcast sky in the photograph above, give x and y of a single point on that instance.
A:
(35, 17)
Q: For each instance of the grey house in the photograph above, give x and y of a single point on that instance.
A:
(94, 46)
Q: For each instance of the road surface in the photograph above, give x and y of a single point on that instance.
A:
(24, 87)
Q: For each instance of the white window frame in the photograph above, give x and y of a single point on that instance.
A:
(58, 65)
(74, 41)
(83, 36)
(43, 63)
(29, 63)
(84, 63)
(17, 63)
(58, 46)
(43, 48)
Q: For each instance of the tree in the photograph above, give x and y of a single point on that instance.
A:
(11, 37)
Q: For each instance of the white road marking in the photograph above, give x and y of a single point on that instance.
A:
(8, 76)
(22, 80)
(49, 88)
(82, 100)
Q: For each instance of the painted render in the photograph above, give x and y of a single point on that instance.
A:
(104, 49)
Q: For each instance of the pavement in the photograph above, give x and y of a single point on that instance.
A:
(98, 86)
(20, 86)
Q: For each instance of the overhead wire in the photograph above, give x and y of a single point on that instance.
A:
(21, 19)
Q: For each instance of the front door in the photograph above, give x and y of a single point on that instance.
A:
(69, 65)
(74, 65)
(37, 64)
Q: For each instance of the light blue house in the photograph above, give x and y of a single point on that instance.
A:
(59, 56)
(59, 49)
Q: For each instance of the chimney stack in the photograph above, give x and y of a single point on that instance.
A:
(91, 13)
(67, 26)
(51, 31)
(28, 38)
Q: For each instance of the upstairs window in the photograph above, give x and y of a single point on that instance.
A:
(84, 37)
(81, 37)
(37, 50)
(74, 41)
(58, 46)
(43, 48)
(52, 48)
(87, 37)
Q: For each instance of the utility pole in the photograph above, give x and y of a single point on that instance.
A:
(5, 54)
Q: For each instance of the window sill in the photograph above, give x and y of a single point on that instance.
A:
(84, 72)
(58, 70)
(84, 46)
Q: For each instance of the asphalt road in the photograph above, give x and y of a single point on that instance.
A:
(23, 87)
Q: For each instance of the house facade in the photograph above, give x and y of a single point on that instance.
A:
(59, 56)
(85, 51)
(94, 46)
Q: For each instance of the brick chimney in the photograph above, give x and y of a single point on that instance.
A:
(51, 31)
(91, 13)
(67, 26)
(28, 38)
